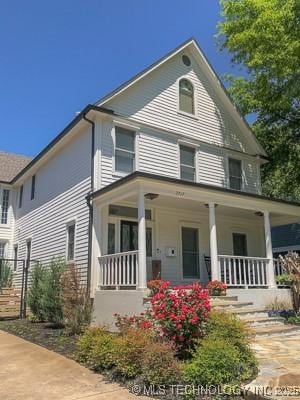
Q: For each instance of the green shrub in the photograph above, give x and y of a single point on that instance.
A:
(76, 302)
(102, 355)
(35, 292)
(129, 350)
(5, 274)
(51, 300)
(85, 343)
(159, 365)
(214, 362)
(226, 326)
(224, 356)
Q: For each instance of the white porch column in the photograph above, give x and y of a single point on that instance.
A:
(97, 248)
(142, 267)
(213, 242)
(269, 251)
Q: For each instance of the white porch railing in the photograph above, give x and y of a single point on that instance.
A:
(119, 270)
(278, 266)
(243, 271)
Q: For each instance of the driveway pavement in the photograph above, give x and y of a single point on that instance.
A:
(30, 372)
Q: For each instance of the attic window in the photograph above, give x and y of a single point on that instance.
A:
(186, 96)
(186, 60)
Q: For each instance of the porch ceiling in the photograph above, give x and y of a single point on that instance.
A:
(178, 194)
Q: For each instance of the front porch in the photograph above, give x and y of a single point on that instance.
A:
(147, 226)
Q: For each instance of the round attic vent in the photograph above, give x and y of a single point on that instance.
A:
(186, 60)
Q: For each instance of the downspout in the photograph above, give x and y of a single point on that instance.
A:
(91, 211)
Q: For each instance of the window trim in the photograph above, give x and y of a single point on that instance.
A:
(229, 157)
(135, 130)
(184, 113)
(195, 148)
(68, 224)
(8, 206)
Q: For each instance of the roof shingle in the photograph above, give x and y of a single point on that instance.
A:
(11, 164)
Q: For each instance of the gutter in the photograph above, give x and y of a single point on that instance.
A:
(90, 206)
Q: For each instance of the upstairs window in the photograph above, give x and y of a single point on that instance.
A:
(124, 150)
(235, 174)
(186, 96)
(32, 195)
(71, 241)
(20, 196)
(187, 164)
(5, 204)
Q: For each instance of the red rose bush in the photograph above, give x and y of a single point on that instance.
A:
(176, 314)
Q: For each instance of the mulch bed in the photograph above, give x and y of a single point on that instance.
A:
(43, 334)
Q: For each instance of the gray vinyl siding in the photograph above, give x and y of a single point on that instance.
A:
(158, 155)
(61, 187)
(153, 102)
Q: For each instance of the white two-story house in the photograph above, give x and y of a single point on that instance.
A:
(159, 178)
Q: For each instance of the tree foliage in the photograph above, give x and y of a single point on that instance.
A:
(263, 38)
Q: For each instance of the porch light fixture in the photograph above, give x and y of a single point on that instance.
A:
(151, 196)
(259, 213)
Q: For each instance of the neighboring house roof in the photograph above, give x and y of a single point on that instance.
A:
(286, 235)
(11, 164)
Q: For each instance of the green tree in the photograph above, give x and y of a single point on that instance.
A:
(51, 300)
(263, 38)
(35, 292)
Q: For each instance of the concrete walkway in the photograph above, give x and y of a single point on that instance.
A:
(279, 365)
(30, 372)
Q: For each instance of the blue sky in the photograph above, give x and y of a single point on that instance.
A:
(58, 56)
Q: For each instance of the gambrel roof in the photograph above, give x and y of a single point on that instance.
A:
(193, 47)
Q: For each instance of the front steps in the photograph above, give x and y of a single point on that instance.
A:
(257, 319)
(10, 301)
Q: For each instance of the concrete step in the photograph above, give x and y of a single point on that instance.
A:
(277, 330)
(249, 312)
(264, 321)
(224, 298)
(230, 305)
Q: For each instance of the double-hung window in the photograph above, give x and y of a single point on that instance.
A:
(235, 174)
(187, 164)
(5, 205)
(71, 241)
(124, 150)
